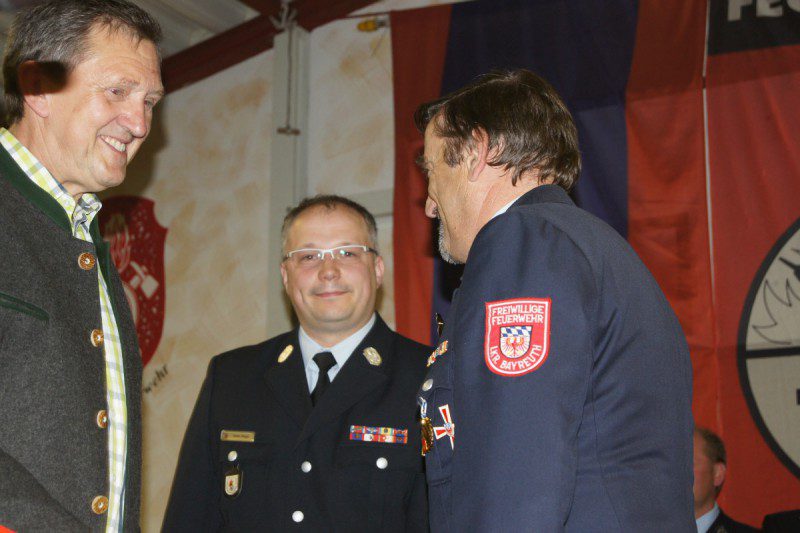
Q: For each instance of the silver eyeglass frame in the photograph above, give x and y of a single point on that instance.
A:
(322, 252)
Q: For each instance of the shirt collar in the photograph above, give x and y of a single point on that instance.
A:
(341, 351)
(505, 207)
(80, 213)
(705, 521)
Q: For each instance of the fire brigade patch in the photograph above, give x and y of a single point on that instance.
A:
(233, 482)
(517, 337)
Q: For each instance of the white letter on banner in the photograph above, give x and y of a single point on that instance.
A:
(735, 9)
(769, 8)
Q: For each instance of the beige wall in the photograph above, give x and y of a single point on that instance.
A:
(206, 166)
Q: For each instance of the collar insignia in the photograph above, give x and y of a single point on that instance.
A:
(372, 356)
(285, 353)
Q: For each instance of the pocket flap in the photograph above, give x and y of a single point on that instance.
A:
(10, 302)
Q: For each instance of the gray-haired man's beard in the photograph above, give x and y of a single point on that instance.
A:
(442, 250)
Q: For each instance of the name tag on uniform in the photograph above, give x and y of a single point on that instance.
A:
(379, 434)
(228, 435)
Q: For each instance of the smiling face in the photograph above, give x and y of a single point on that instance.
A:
(332, 299)
(450, 199)
(96, 123)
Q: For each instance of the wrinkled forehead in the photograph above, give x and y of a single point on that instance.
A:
(120, 36)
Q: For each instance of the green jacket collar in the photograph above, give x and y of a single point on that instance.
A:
(10, 171)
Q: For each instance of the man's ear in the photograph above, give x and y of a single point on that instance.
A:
(719, 474)
(477, 154)
(284, 275)
(379, 267)
(35, 85)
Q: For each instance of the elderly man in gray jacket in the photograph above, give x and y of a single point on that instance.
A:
(81, 80)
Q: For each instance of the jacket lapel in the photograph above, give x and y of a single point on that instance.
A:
(355, 380)
(288, 383)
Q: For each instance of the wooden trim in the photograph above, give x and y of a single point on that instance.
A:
(314, 13)
(264, 7)
(248, 39)
(217, 53)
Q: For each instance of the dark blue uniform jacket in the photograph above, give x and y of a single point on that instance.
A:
(303, 471)
(561, 395)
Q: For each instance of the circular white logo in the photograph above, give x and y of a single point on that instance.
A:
(769, 349)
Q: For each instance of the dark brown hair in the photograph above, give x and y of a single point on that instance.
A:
(526, 122)
(713, 447)
(55, 33)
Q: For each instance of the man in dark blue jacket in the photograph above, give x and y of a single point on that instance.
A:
(311, 430)
(559, 397)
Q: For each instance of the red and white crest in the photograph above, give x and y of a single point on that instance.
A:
(137, 240)
(517, 337)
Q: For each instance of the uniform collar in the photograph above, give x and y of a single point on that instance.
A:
(505, 207)
(341, 351)
(542, 193)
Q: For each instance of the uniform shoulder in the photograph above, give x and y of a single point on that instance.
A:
(528, 227)
(252, 355)
(566, 224)
(565, 217)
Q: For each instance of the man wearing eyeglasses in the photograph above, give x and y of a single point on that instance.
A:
(313, 430)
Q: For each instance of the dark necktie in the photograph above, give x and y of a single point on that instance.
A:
(324, 361)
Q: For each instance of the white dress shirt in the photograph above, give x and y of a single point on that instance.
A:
(705, 521)
(341, 352)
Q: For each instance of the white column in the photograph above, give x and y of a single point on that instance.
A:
(288, 163)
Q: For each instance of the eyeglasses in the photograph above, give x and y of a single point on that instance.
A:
(311, 257)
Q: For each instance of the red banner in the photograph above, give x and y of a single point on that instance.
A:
(419, 33)
(137, 240)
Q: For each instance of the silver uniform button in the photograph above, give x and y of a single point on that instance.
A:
(305, 467)
(298, 516)
(427, 385)
(382, 463)
(232, 455)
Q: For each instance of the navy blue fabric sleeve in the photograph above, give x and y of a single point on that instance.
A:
(515, 456)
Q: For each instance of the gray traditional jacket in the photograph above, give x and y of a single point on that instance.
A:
(53, 446)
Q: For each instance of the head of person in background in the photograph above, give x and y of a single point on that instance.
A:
(710, 466)
(487, 144)
(331, 267)
(81, 80)
(710, 469)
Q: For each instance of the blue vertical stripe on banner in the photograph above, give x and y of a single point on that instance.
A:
(584, 48)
